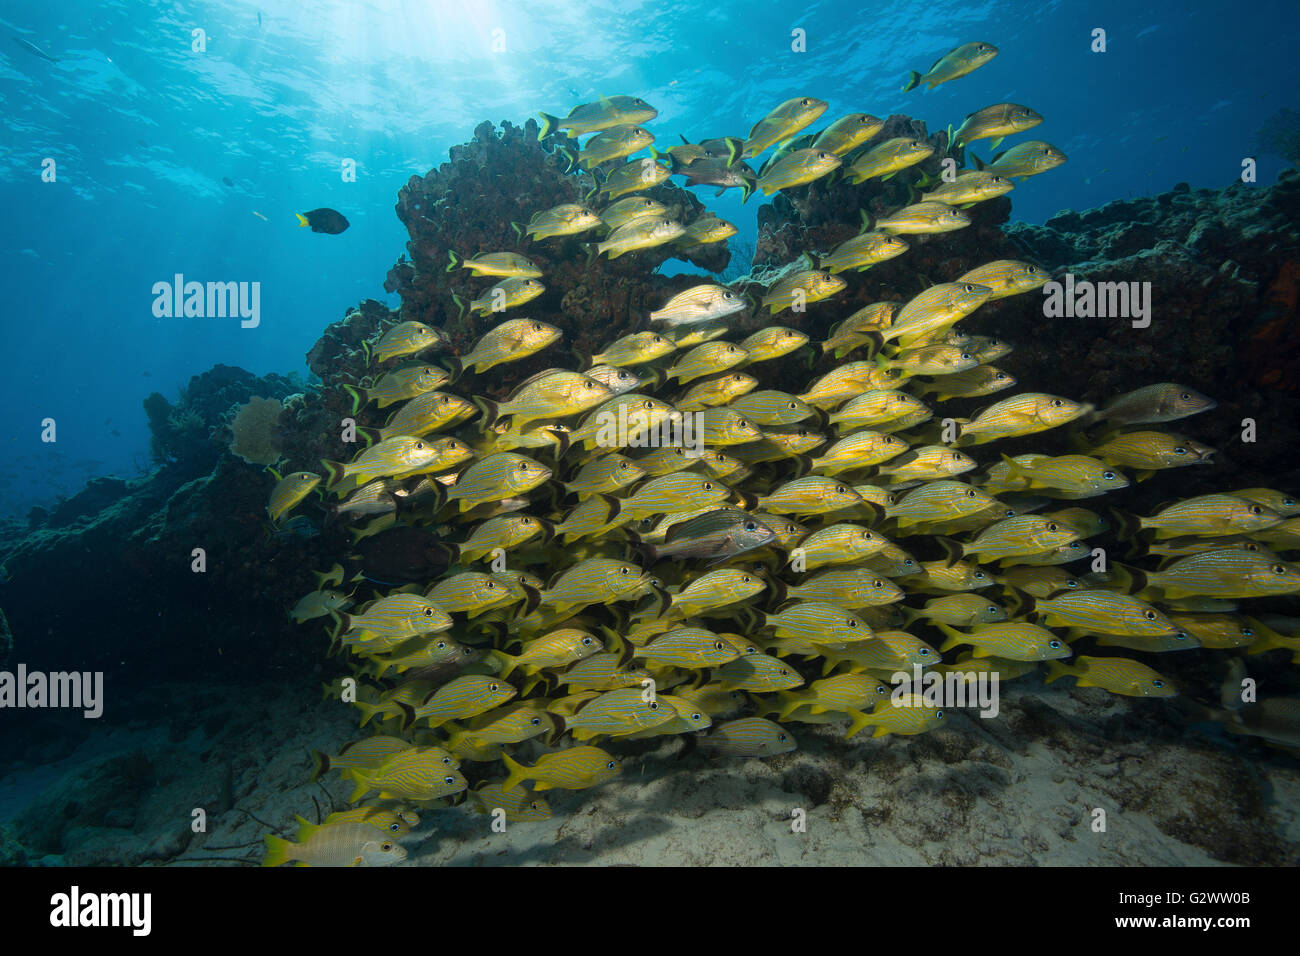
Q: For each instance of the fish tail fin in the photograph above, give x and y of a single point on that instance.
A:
(302, 221)
(325, 576)
(372, 436)
(955, 637)
(490, 410)
(735, 147)
(277, 850)
(455, 261)
(1126, 525)
(460, 305)
(1127, 579)
(913, 78)
(952, 550)
(746, 190)
(333, 473)
(518, 227)
(979, 163)
(408, 714)
(787, 704)
(368, 710)
(508, 664)
(549, 125)
(1020, 604)
(320, 765)
(363, 784)
(453, 366)
(517, 773)
(569, 159)
(859, 721)
(558, 729)
(803, 464)
(359, 397)
(780, 591)
(1056, 669)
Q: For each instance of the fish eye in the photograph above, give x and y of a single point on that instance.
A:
(1278, 569)
(784, 672)
(1288, 501)
(1157, 683)
(625, 571)
(1000, 376)
(1108, 475)
(750, 526)
(956, 456)
(494, 687)
(1053, 526)
(394, 826)
(708, 486)
(992, 609)
(1255, 509)
(970, 492)
(428, 612)
(610, 765)
(718, 645)
(1185, 396)
(419, 445)
(523, 467)
(387, 844)
(938, 715)
(840, 489)
(1180, 450)
(1149, 615)
(1247, 632)
(586, 642)
(654, 705)
(1181, 636)
(727, 295)
(805, 102)
(877, 583)
(1057, 403)
(449, 780)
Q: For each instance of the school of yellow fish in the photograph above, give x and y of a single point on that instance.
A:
(656, 545)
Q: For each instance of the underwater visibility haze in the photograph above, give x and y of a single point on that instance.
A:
(461, 433)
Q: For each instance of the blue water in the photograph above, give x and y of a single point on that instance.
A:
(142, 129)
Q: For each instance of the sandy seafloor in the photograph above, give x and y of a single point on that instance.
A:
(1018, 789)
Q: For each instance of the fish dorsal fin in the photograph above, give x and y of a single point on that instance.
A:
(530, 380)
